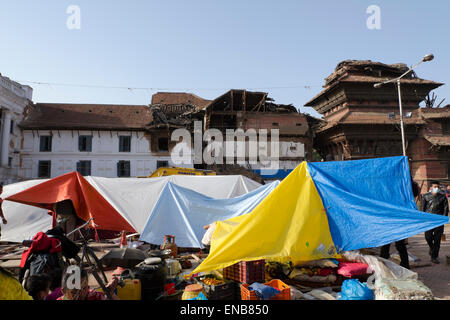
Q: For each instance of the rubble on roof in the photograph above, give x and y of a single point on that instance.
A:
(173, 116)
(368, 70)
(248, 101)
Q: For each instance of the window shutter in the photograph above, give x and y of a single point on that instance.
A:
(128, 167)
(128, 144)
(89, 144)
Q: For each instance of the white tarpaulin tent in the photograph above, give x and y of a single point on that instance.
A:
(133, 198)
(23, 221)
(183, 213)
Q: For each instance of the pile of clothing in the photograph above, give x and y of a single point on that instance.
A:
(327, 271)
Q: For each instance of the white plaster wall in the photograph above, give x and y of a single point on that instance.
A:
(104, 155)
(13, 99)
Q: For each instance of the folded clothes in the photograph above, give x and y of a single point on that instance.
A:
(321, 263)
(325, 272)
(317, 279)
(263, 291)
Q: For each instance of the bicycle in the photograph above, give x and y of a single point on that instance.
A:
(86, 254)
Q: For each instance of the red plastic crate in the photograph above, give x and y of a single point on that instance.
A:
(246, 271)
(285, 291)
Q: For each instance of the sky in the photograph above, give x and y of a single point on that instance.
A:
(286, 48)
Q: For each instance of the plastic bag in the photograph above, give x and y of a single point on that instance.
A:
(382, 268)
(352, 289)
(395, 289)
(296, 294)
(263, 291)
(391, 281)
(322, 295)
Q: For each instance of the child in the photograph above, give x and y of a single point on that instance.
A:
(55, 285)
(38, 286)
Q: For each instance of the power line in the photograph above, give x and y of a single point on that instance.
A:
(156, 88)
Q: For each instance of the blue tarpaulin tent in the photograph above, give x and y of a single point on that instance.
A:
(322, 209)
(183, 213)
(370, 202)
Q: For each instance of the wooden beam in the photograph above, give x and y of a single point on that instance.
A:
(231, 93)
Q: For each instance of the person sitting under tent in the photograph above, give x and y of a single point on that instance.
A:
(206, 240)
(66, 216)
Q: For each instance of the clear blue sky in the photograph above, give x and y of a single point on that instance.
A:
(209, 46)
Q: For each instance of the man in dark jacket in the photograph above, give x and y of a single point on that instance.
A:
(435, 202)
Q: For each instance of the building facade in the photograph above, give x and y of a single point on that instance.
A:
(135, 140)
(429, 153)
(99, 140)
(14, 97)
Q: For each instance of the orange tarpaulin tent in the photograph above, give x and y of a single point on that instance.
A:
(87, 201)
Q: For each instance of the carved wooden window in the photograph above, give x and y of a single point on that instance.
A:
(446, 127)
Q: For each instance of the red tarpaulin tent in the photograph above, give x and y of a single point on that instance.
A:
(87, 201)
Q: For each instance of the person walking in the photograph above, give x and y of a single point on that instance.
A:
(402, 251)
(435, 202)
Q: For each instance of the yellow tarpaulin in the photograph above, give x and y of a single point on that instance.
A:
(290, 224)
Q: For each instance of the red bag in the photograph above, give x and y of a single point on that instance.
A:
(41, 243)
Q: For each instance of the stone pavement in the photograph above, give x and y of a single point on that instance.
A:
(436, 276)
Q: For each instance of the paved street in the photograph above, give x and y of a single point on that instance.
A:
(436, 277)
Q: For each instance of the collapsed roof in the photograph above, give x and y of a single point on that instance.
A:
(248, 101)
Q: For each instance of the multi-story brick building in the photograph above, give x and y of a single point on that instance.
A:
(429, 153)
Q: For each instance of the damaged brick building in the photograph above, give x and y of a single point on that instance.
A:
(360, 121)
(235, 109)
(247, 110)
